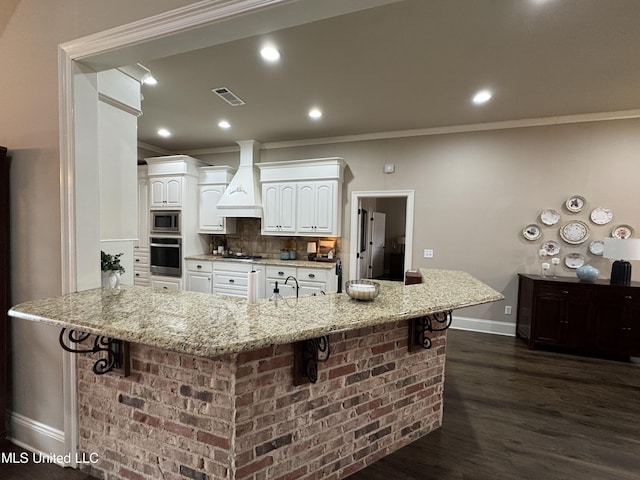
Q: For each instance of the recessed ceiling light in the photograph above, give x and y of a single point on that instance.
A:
(163, 132)
(149, 80)
(481, 97)
(315, 113)
(224, 124)
(270, 54)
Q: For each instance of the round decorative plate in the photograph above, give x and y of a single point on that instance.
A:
(574, 260)
(552, 247)
(575, 204)
(531, 232)
(601, 216)
(574, 232)
(622, 232)
(549, 217)
(596, 247)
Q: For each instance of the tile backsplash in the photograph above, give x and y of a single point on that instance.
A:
(248, 239)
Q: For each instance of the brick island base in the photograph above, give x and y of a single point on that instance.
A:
(240, 416)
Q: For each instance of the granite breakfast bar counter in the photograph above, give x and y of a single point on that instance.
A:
(211, 390)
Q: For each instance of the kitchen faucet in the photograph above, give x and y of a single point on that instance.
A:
(295, 280)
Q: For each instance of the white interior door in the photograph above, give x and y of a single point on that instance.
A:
(377, 226)
(363, 245)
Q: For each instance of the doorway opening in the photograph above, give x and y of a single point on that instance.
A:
(382, 233)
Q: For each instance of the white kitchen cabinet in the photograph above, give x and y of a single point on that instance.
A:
(277, 273)
(212, 182)
(199, 276)
(166, 283)
(230, 278)
(142, 244)
(317, 210)
(141, 274)
(302, 197)
(165, 192)
(311, 281)
(279, 207)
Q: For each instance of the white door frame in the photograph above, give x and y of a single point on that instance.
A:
(355, 244)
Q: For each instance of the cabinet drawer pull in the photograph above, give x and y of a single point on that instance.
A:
(565, 292)
(281, 273)
(137, 274)
(137, 259)
(231, 280)
(198, 267)
(628, 297)
(311, 275)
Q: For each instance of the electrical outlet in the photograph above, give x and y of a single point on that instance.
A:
(428, 253)
(507, 310)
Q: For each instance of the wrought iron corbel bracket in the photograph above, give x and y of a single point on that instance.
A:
(117, 351)
(306, 355)
(419, 327)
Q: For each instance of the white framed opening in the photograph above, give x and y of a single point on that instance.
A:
(357, 200)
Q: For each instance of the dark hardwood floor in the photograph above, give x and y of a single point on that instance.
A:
(510, 413)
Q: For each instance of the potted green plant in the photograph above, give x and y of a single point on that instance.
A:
(111, 269)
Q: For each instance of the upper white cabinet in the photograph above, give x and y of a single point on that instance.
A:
(212, 182)
(279, 208)
(302, 197)
(317, 210)
(166, 192)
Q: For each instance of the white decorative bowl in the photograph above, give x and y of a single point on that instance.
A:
(362, 289)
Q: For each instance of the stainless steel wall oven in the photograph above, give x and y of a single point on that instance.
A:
(166, 256)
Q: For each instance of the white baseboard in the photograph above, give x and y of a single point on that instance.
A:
(36, 437)
(485, 326)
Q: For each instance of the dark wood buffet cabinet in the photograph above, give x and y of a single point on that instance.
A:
(5, 297)
(590, 318)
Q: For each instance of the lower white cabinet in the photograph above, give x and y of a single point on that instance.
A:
(166, 283)
(230, 278)
(141, 274)
(199, 276)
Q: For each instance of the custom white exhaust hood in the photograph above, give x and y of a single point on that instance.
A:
(243, 195)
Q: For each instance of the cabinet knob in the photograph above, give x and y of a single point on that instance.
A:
(137, 274)
(311, 275)
(628, 297)
(231, 280)
(137, 259)
(565, 292)
(165, 288)
(281, 273)
(199, 267)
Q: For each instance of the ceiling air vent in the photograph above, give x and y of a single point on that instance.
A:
(228, 96)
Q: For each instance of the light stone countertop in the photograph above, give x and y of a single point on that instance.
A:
(300, 262)
(209, 325)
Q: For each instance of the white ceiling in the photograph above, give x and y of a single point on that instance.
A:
(414, 64)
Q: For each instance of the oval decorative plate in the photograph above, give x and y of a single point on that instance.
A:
(622, 232)
(574, 232)
(575, 203)
(601, 216)
(549, 217)
(596, 247)
(552, 247)
(574, 260)
(531, 232)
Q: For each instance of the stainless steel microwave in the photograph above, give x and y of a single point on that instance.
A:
(165, 221)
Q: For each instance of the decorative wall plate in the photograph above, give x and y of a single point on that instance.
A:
(601, 216)
(549, 217)
(622, 231)
(574, 232)
(575, 203)
(596, 247)
(531, 232)
(552, 247)
(574, 260)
